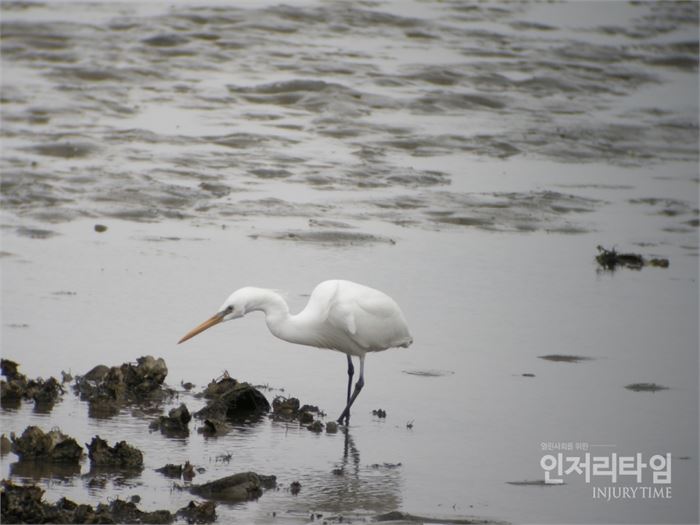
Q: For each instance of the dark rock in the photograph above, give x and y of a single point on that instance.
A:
(185, 471)
(232, 400)
(268, 482)
(290, 409)
(106, 388)
(220, 386)
(204, 512)
(286, 407)
(127, 512)
(295, 488)
(175, 422)
(213, 427)
(380, 413)
(122, 455)
(316, 426)
(10, 369)
(53, 446)
(188, 472)
(97, 373)
(17, 386)
(306, 418)
(44, 392)
(331, 427)
(24, 504)
(171, 471)
(5, 445)
(100, 228)
(239, 487)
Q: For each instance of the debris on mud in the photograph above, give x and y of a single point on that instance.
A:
(380, 413)
(185, 471)
(175, 423)
(405, 517)
(645, 387)
(290, 409)
(611, 259)
(295, 488)
(385, 466)
(106, 388)
(316, 426)
(53, 446)
(24, 504)
(204, 512)
(121, 455)
(243, 486)
(534, 483)
(44, 393)
(285, 407)
(171, 471)
(561, 358)
(230, 399)
(213, 427)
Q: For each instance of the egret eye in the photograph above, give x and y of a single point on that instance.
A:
(229, 309)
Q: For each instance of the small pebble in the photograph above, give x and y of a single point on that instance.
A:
(100, 228)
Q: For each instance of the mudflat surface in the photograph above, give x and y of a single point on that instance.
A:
(465, 159)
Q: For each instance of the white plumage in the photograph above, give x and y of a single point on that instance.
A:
(340, 315)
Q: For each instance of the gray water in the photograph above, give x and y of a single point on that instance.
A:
(467, 159)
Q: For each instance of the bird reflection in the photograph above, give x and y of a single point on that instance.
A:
(349, 452)
(351, 486)
(38, 470)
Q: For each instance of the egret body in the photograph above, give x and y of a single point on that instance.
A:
(340, 315)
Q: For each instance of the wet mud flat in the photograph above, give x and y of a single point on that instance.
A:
(468, 159)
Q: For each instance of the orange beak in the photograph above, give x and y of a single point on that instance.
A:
(215, 319)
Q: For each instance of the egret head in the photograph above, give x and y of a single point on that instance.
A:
(234, 307)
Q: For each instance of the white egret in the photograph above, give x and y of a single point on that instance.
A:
(340, 315)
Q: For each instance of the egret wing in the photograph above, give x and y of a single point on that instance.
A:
(370, 318)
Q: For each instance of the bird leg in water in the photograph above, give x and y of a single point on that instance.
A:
(351, 371)
(358, 387)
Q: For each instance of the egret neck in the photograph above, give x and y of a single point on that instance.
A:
(291, 328)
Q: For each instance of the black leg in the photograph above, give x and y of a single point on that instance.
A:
(358, 388)
(351, 371)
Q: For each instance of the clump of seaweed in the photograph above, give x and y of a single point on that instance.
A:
(612, 259)
(645, 387)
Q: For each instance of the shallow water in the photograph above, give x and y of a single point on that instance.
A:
(466, 159)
